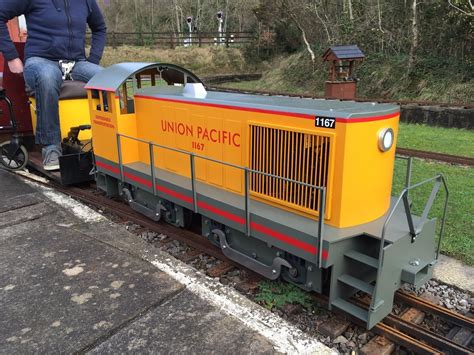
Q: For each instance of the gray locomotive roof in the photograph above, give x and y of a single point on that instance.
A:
(111, 78)
(320, 107)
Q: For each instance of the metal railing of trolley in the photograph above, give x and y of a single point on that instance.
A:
(247, 171)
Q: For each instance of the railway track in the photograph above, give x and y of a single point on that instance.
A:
(446, 158)
(458, 105)
(394, 328)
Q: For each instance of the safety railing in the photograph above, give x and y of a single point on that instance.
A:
(247, 171)
(415, 230)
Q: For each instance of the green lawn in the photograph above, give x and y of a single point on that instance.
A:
(458, 240)
(436, 139)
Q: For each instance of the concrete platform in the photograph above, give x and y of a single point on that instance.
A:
(73, 282)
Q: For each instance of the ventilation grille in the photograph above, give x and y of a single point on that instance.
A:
(292, 155)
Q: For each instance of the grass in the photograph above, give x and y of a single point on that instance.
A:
(201, 61)
(458, 240)
(276, 294)
(436, 139)
(435, 79)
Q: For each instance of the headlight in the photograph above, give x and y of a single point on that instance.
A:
(386, 137)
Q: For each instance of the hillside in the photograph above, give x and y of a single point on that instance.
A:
(380, 77)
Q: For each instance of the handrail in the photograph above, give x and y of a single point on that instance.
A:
(247, 171)
(439, 179)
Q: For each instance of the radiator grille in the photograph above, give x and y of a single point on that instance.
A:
(293, 155)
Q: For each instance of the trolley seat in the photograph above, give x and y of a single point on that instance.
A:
(73, 108)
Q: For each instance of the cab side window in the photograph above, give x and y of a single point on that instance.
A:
(127, 103)
(101, 100)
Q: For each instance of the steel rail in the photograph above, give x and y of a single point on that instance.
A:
(418, 332)
(446, 314)
(445, 158)
(385, 330)
(425, 335)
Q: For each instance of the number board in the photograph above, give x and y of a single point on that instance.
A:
(325, 122)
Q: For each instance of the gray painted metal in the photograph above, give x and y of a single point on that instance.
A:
(415, 231)
(154, 215)
(304, 106)
(111, 78)
(271, 272)
(281, 104)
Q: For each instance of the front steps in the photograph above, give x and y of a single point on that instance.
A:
(360, 275)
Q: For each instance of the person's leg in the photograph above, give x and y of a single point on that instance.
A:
(84, 71)
(43, 77)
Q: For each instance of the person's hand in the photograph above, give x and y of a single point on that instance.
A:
(16, 66)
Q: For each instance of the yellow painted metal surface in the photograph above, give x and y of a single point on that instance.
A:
(363, 174)
(358, 176)
(106, 125)
(72, 113)
(346, 159)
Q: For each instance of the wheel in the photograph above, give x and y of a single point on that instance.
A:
(19, 159)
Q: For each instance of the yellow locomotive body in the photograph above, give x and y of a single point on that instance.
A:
(294, 187)
(357, 174)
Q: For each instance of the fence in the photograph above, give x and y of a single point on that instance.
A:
(174, 39)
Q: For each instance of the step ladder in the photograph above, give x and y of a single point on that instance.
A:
(351, 282)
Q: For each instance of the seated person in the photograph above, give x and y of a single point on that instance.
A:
(56, 33)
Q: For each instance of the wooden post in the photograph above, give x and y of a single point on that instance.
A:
(199, 39)
(171, 40)
(114, 40)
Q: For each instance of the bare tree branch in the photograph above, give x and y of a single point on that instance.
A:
(461, 10)
(303, 34)
(324, 24)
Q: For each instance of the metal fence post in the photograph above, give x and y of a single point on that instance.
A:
(119, 149)
(193, 181)
(409, 171)
(247, 202)
(152, 167)
(322, 207)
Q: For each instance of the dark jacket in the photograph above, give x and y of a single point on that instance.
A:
(56, 29)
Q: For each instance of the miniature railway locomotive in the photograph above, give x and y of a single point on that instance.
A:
(288, 187)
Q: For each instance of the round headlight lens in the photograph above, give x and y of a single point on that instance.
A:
(386, 137)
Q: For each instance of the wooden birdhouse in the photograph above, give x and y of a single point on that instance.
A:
(342, 82)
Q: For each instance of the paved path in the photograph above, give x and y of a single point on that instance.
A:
(454, 272)
(72, 281)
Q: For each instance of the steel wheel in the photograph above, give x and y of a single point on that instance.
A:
(17, 162)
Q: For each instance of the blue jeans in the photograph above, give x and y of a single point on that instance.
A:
(44, 78)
